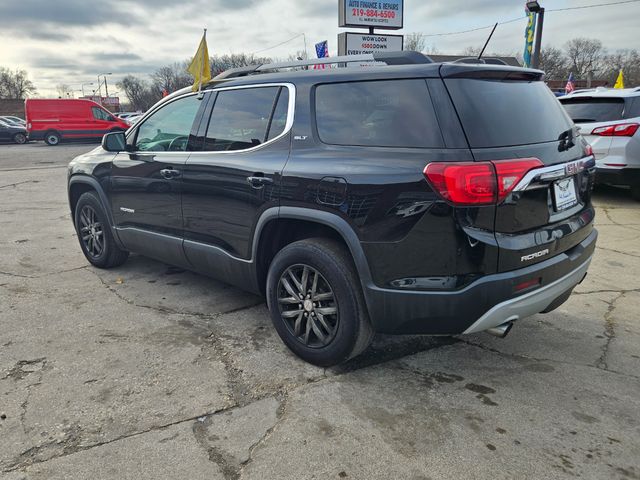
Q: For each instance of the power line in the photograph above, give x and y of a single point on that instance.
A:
(478, 28)
(592, 6)
(282, 43)
(522, 18)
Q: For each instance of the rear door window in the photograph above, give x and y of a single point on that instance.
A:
(241, 118)
(502, 113)
(388, 113)
(594, 109)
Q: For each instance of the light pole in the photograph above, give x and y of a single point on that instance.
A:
(535, 7)
(82, 86)
(105, 84)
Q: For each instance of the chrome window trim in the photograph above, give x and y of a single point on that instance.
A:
(287, 127)
(553, 172)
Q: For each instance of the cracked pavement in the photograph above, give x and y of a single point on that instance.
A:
(149, 371)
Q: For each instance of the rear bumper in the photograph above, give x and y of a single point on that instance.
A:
(618, 176)
(486, 303)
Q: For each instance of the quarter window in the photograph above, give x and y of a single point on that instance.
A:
(242, 118)
(168, 129)
(396, 113)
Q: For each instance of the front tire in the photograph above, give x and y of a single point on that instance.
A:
(316, 302)
(20, 138)
(94, 233)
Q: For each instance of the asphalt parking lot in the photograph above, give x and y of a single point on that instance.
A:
(148, 371)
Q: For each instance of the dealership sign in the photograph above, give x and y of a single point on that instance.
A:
(350, 43)
(386, 14)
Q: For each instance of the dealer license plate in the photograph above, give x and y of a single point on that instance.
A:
(565, 193)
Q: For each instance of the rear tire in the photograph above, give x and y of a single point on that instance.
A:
(20, 138)
(94, 233)
(635, 192)
(52, 138)
(326, 322)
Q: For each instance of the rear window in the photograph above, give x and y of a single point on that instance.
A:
(589, 109)
(389, 113)
(506, 113)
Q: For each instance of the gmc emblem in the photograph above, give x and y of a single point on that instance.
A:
(574, 167)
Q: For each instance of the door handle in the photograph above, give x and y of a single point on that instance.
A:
(169, 173)
(258, 181)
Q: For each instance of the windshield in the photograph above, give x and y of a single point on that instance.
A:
(589, 109)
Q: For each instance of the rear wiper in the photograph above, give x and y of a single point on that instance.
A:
(566, 140)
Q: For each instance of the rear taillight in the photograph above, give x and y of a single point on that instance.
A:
(478, 183)
(619, 130)
(588, 151)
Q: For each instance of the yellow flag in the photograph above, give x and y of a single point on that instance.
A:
(619, 81)
(199, 66)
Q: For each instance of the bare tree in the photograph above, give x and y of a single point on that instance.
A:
(299, 55)
(415, 41)
(235, 60)
(471, 51)
(554, 63)
(63, 90)
(15, 84)
(431, 50)
(626, 60)
(584, 56)
(171, 77)
(140, 94)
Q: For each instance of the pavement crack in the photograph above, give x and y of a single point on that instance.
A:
(14, 185)
(17, 275)
(71, 444)
(617, 251)
(280, 415)
(609, 332)
(171, 311)
(633, 290)
(520, 357)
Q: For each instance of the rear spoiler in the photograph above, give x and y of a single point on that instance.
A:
(489, 72)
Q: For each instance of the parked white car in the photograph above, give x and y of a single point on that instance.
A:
(610, 121)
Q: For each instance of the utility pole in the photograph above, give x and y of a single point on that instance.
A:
(535, 61)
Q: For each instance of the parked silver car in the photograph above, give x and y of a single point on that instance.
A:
(610, 121)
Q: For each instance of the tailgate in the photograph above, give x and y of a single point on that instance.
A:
(514, 117)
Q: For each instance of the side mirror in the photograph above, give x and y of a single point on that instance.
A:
(114, 142)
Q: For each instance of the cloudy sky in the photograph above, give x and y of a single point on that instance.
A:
(72, 41)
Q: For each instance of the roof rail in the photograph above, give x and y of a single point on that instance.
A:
(390, 58)
(476, 60)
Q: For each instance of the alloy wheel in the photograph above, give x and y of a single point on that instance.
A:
(308, 306)
(91, 231)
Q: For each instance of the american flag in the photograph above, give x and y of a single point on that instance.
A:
(322, 50)
(571, 86)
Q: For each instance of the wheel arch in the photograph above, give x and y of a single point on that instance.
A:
(79, 184)
(277, 227)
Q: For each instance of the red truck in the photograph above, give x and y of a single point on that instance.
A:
(54, 120)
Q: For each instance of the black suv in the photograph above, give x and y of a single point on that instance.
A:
(412, 198)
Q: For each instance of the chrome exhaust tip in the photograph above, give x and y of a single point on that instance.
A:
(500, 331)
